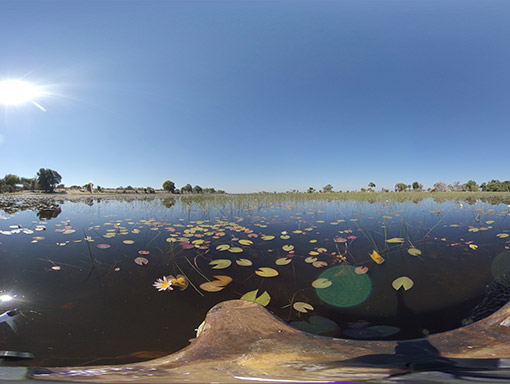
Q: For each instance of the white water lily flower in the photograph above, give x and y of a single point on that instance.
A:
(163, 284)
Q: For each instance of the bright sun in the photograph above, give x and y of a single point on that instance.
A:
(13, 92)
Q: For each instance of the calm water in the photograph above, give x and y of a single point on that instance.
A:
(83, 280)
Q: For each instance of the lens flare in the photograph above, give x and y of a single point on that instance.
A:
(14, 92)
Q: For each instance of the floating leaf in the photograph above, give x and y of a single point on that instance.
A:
(302, 307)
(220, 263)
(282, 261)
(263, 299)
(414, 251)
(473, 246)
(225, 280)
(266, 272)
(321, 250)
(245, 242)
(402, 282)
(502, 235)
(244, 262)
(319, 264)
(310, 260)
(313, 253)
(376, 257)
(128, 241)
(313, 241)
(141, 261)
(103, 246)
(143, 252)
(321, 283)
(287, 248)
(211, 286)
(235, 250)
(361, 270)
(267, 237)
(473, 229)
(216, 285)
(285, 237)
(395, 240)
(222, 247)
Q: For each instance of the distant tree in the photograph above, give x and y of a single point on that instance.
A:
(417, 186)
(455, 186)
(129, 188)
(11, 180)
(149, 190)
(29, 183)
(371, 184)
(48, 179)
(187, 189)
(496, 186)
(197, 189)
(221, 191)
(311, 190)
(209, 190)
(169, 186)
(363, 189)
(470, 186)
(327, 188)
(440, 186)
(400, 187)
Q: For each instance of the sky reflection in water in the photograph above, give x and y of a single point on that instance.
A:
(80, 298)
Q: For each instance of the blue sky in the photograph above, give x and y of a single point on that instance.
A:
(248, 96)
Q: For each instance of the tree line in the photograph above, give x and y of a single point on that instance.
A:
(46, 180)
(169, 186)
(440, 186)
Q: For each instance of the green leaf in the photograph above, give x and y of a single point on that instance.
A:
(395, 240)
(263, 299)
(302, 307)
(245, 242)
(266, 272)
(222, 247)
(220, 263)
(244, 262)
(402, 282)
(282, 261)
(414, 252)
(288, 248)
(321, 283)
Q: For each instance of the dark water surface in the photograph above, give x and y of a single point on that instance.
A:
(71, 271)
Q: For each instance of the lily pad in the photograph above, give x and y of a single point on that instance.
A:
(402, 282)
(267, 272)
(282, 261)
(263, 299)
(414, 251)
(141, 260)
(220, 263)
(302, 307)
(395, 240)
(321, 283)
(244, 262)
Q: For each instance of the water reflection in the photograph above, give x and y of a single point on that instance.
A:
(92, 265)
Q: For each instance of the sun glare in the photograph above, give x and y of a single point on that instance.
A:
(13, 92)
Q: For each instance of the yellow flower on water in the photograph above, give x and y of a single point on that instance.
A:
(163, 284)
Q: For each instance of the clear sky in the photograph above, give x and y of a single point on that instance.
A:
(248, 96)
